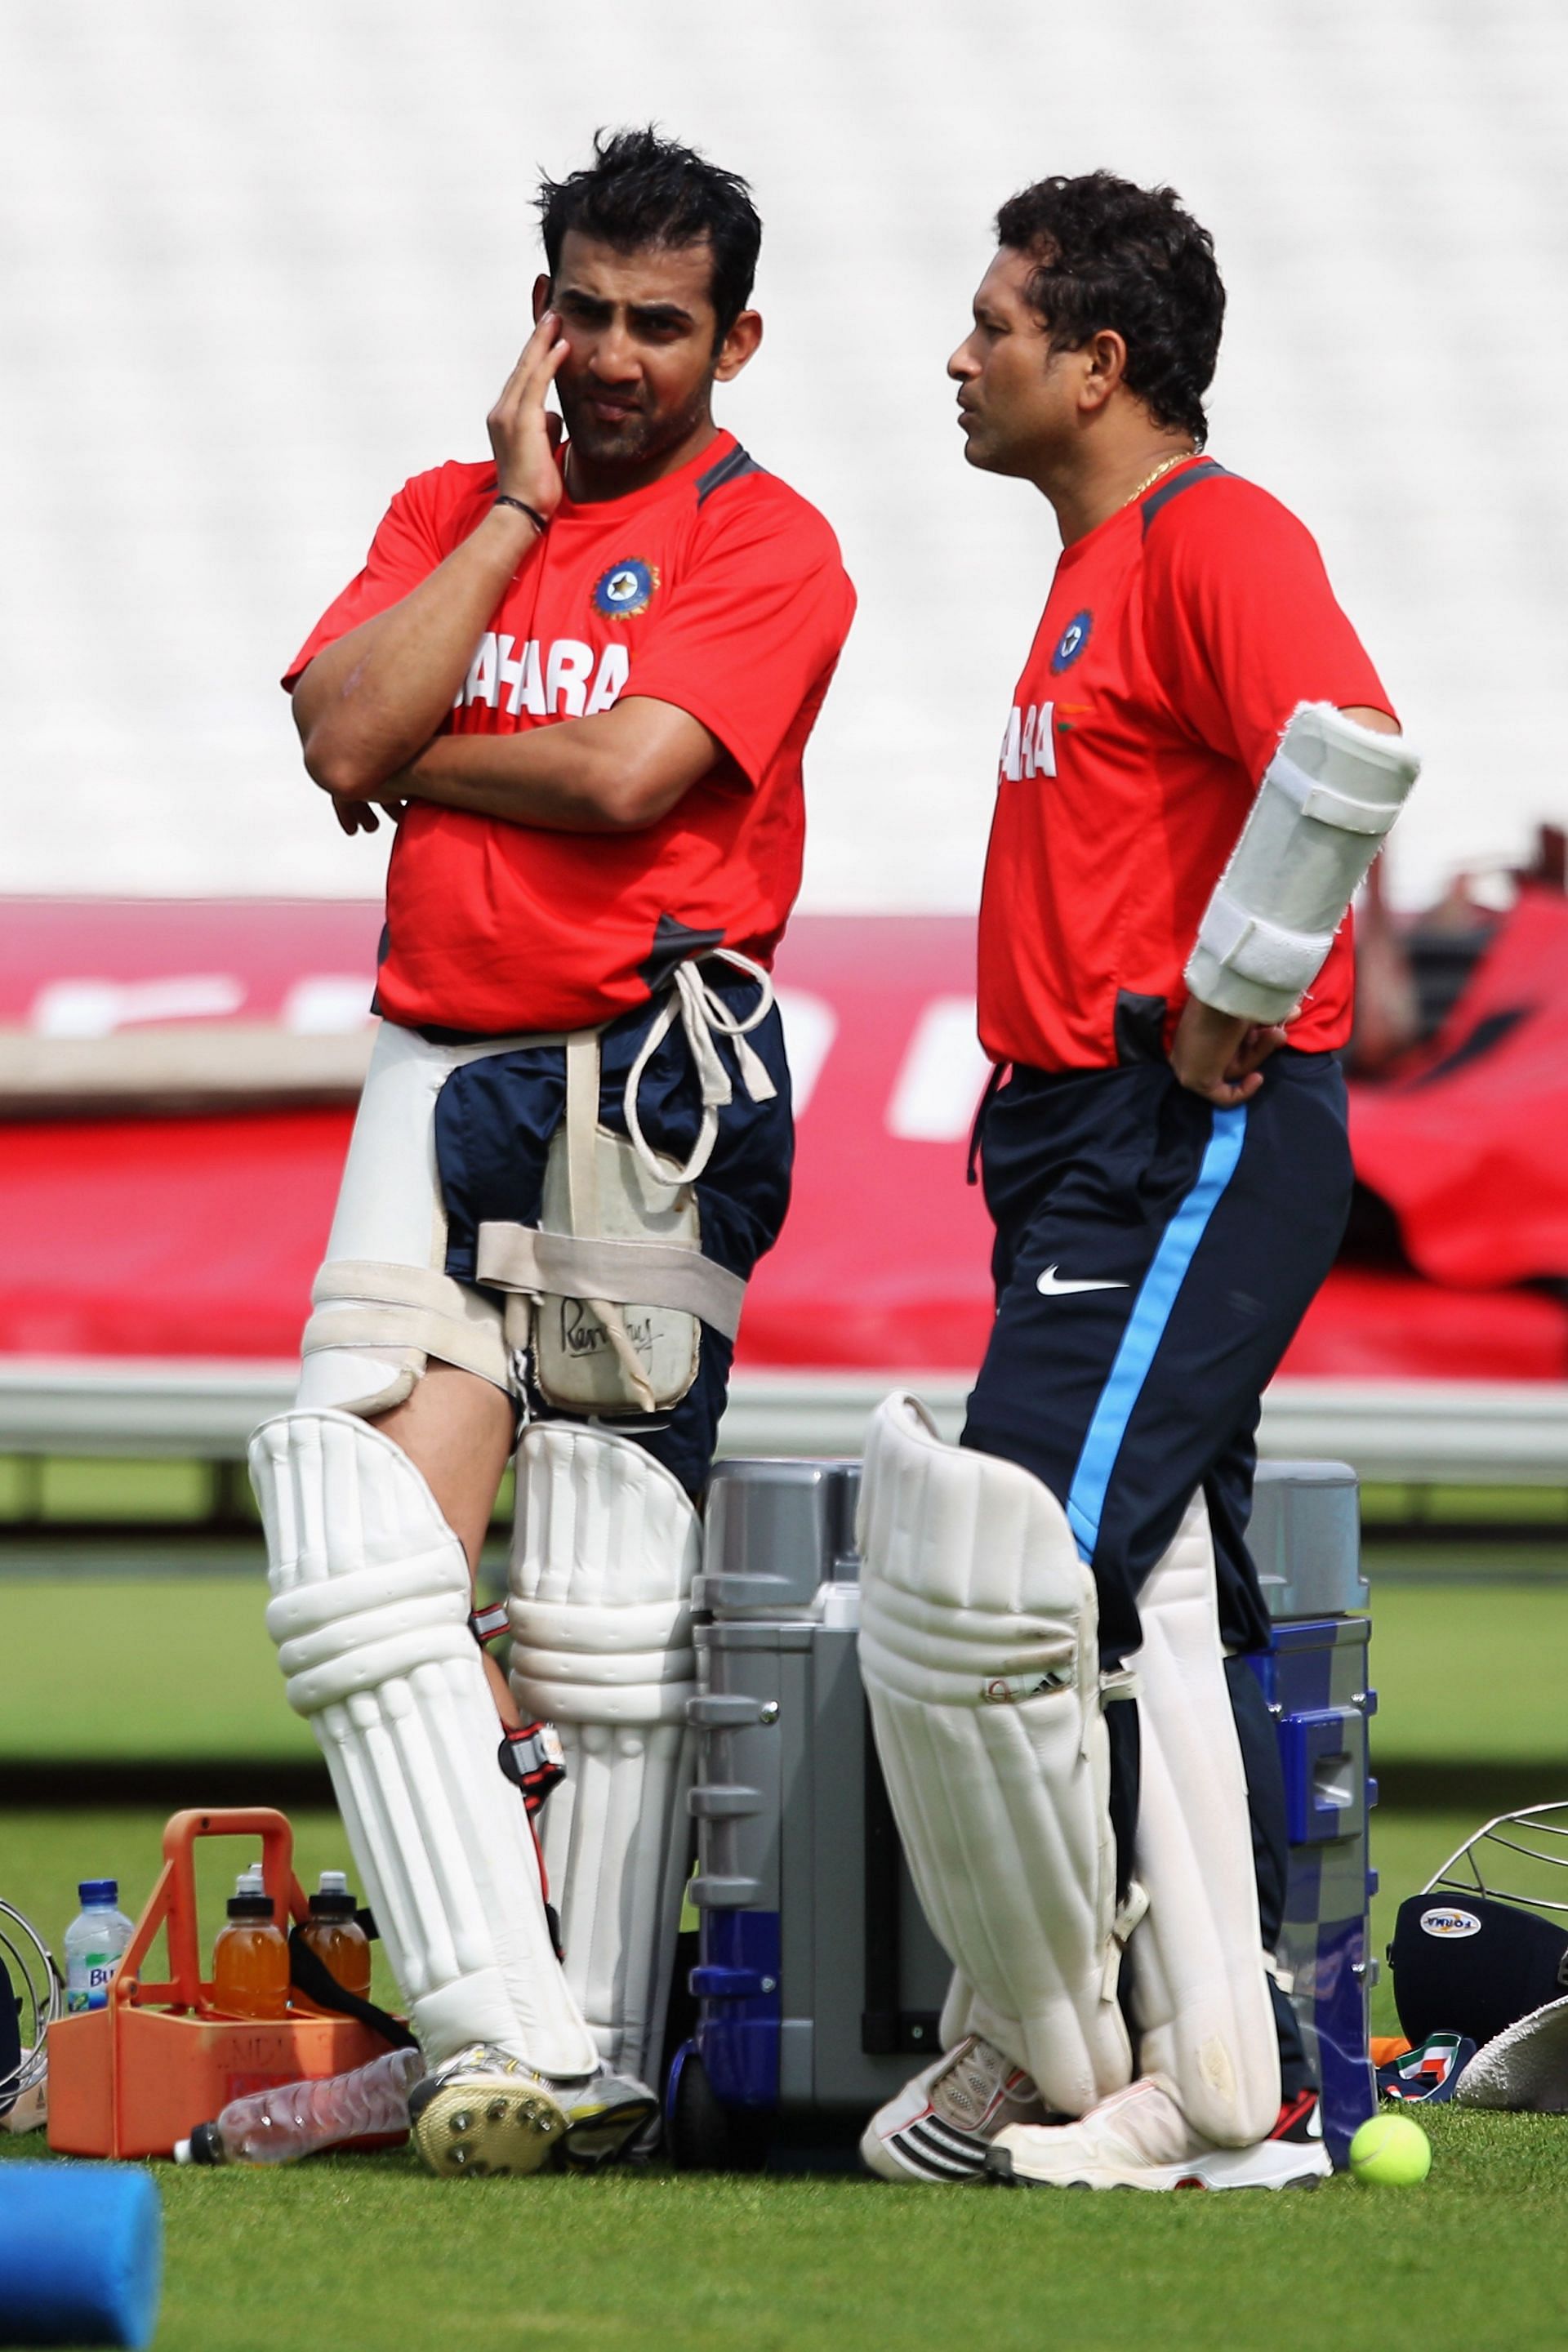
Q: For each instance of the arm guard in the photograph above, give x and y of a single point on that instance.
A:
(1328, 796)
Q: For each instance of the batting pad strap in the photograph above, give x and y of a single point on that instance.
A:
(628, 1273)
(533, 1761)
(373, 1304)
(485, 1623)
(1200, 1987)
(979, 1658)
(1328, 796)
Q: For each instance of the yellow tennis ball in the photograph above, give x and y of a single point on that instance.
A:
(1390, 2152)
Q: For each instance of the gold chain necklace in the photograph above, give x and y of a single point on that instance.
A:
(1163, 467)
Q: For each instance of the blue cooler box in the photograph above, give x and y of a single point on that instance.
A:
(818, 1983)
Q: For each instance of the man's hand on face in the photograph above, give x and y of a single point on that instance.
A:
(1220, 1055)
(523, 433)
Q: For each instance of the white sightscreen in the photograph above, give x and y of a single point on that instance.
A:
(256, 265)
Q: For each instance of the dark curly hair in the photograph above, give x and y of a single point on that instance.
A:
(643, 190)
(1109, 255)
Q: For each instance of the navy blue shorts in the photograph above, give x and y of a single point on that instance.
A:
(494, 1122)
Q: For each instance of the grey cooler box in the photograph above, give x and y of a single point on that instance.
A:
(818, 1983)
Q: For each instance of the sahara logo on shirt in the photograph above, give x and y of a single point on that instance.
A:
(1073, 639)
(626, 589)
(1027, 747)
(562, 678)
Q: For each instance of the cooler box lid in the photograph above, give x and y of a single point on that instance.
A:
(777, 1530)
(1305, 1540)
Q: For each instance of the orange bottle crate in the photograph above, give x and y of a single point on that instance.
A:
(133, 2077)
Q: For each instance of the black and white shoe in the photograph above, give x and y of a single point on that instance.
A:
(941, 2125)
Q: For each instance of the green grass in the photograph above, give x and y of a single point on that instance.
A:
(182, 1666)
(1472, 1672)
(175, 1666)
(357, 2251)
(120, 1490)
(368, 2252)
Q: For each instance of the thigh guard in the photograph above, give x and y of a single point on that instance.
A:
(369, 1612)
(605, 1549)
(1200, 1991)
(979, 1655)
(383, 1302)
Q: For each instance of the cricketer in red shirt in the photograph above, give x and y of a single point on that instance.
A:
(1178, 637)
(1168, 1185)
(715, 588)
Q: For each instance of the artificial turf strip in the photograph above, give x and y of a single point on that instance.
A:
(368, 2251)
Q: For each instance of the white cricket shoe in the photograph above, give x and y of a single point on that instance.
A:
(1138, 2138)
(486, 2114)
(942, 2125)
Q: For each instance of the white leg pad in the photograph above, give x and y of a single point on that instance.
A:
(1200, 1991)
(370, 1597)
(979, 1654)
(608, 1543)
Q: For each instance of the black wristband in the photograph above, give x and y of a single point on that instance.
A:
(540, 522)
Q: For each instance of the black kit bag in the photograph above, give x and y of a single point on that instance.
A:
(1473, 1965)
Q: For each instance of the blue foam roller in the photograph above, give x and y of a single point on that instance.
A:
(81, 2254)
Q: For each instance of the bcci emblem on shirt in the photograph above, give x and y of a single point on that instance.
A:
(1074, 638)
(626, 590)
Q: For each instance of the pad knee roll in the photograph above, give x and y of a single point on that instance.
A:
(371, 1598)
(606, 1546)
(979, 1655)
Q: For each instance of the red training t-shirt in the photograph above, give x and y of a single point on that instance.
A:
(716, 589)
(1178, 637)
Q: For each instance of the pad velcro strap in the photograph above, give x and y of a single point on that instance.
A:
(1273, 1966)
(1315, 798)
(644, 1274)
(366, 1303)
(1255, 948)
(1133, 1906)
(486, 1623)
(533, 1761)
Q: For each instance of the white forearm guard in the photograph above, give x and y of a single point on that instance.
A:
(979, 1658)
(1328, 797)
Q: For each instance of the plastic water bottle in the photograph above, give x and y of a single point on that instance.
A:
(275, 2126)
(94, 1942)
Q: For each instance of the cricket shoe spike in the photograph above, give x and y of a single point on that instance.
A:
(488, 2114)
(1138, 2138)
(941, 2125)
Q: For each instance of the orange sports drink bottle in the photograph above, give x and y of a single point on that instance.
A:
(250, 1957)
(337, 1939)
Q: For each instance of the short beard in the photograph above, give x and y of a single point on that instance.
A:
(643, 438)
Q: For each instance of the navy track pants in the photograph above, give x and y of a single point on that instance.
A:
(1153, 1258)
